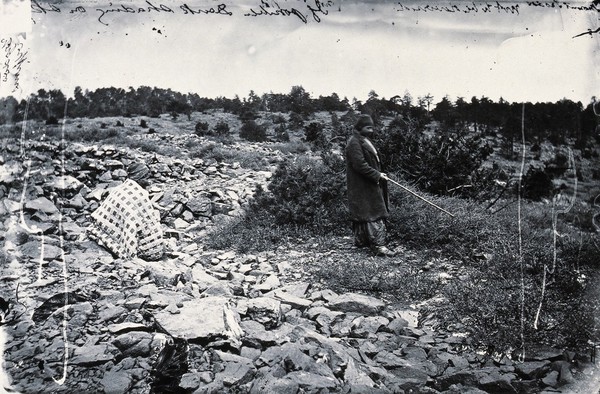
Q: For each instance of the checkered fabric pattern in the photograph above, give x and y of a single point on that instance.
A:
(127, 224)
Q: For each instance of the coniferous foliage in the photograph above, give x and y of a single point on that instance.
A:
(307, 192)
(253, 132)
(445, 162)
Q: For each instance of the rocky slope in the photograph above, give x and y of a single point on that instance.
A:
(79, 320)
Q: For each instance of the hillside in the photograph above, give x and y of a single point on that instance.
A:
(304, 312)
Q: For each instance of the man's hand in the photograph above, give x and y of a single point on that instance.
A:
(383, 176)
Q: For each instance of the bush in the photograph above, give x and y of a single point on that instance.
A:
(558, 166)
(120, 124)
(143, 124)
(221, 128)
(536, 184)
(278, 119)
(307, 192)
(248, 116)
(315, 134)
(444, 163)
(51, 121)
(296, 121)
(201, 128)
(251, 131)
(281, 133)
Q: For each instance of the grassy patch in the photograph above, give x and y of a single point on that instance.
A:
(253, 160)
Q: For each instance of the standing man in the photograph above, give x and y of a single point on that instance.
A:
(367, 189)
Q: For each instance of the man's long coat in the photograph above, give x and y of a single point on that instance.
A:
(367, 194)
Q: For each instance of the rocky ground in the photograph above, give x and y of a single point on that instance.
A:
(79, 320)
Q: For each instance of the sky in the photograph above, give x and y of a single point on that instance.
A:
(514, 51)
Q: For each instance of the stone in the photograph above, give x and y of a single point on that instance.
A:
(93, 355)
(190, 381)
(354, 376)
(180, 224)
(220, 288)
(397, 326)
(111, 312)
(311, 381)
(270, 283)
(202, 278)
(264, 310)
(541, 353)
(116, 382)
(551, 379)
(295, 301)
(205, 318)
(200, 206)
(363, 327)
(564, 370)
(414, 353)
(106, 177)
(65, 183)
(272, 384)
(353, 302)
(341, 326)
(256, 336)
(226, 357)
(533, 369)
(125, 327)
(236, 374)
(33, 250)
(453, 360)
(497, 382)
(250, 353)
(325, 295)
(41, 204)
(134, 344)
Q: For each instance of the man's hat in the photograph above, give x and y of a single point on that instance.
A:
(363, 120)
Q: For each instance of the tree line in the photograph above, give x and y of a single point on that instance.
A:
(555, 122)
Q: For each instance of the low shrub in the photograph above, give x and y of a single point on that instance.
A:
(253, 132)
(307, 192)
(221, 128)
(51, 121)
(252, 160)
(442, 163)
(254, 232)
(537, 184)
(201, 128)
(292, 147)
(281, 133)
(315, 134)
(93, 135)
(143, 124)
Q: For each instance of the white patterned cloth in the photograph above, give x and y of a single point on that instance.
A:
(127, 224)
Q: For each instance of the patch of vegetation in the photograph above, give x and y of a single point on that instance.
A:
(504, 286)
(315, 134)
(221, 128)
(52, 121)
(253, 132)
(292, 148)
(201, 128)
(404, 282)
(252, 160)
(307, 192)
(443, 163)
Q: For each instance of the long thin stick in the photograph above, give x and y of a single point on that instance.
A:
(419, 197)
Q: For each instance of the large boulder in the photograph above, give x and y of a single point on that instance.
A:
(202, 319)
